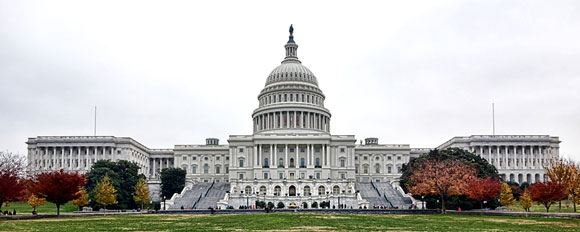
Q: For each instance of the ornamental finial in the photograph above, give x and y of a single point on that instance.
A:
(291, 40)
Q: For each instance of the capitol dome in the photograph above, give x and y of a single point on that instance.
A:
(291, 98)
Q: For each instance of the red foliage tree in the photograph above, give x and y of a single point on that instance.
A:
(11, 185)
(58, 187)
(547, 193)
(444, 178)
(483, 189)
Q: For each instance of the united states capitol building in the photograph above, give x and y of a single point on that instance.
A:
(291, 155)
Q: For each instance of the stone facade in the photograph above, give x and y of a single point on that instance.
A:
(291, 156)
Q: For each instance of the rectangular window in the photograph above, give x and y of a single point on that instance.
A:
(342, 176)
(301, 149)
(398, 158)
(184, 158)
(342, 163)
(227, 169)
(389, 169)
(241, 150)
(281, 150)
(217, 158)
(241, 175)
(281, 175)
(266, 150)
(365, 158)
(265, 175)
(241, 163)
(316, 149)
(398, 169)
(388, 157)
(217, 170)
(291, 149)
(227, 158)
(342, 150)
(318, 175)
(194, 158)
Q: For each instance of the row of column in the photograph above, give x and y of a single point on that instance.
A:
(510, 157)
(273, 155)
(159, 164)
(291, 119)
(291, 97)
(54, 158)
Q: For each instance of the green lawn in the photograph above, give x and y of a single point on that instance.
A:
(48, 208)
(537, 207)
(292, 222)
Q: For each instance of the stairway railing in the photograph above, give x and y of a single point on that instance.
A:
(196, 201)
(385, 196)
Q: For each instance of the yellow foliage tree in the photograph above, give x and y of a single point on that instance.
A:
(526, 200)
(105, 193)
(506, 197)
(82, 200)
(142, 192)
(565, 172)
(35, 201)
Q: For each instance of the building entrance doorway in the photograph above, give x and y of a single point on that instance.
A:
(292, 191)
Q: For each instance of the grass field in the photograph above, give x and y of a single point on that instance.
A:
(292, 222)
(48, 208)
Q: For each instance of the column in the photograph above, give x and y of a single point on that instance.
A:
(323, 155)
(271, 152)
(54, 159)
(307, 163)
(62, 157)
(297, 156)
(154, 168)
(505, 158)
(260, 153)
(294, 118)
(286, 156)
(287, 119)
(275, 156)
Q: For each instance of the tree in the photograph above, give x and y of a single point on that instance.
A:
(483, 189)
(35, 201)
(443, 178)
(82, 200)
(58, 187)
(124, 177)
(547, 193)
(11, 185)
(280, 205)
(172, 181)
(565, 172)
(314, 205)
(142, 192)
(105, 193)
(526, 200)
(506, 197)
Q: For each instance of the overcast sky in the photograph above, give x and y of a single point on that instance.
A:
(177, 72)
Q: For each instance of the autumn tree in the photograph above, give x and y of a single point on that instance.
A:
(442, 178)
(58, 187)
(105, 193)
(483, 189)
(142, 192)
(123, 174)
(82, 200)
(526, 200)
(506, 197)
(35, 201)
(547, 193)
(11, 185)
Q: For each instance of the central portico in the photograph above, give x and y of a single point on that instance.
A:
(291, 157)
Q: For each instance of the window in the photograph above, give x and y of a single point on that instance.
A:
(365, 170)
(389, 170)
(205, 168)
(342, 150)
(302, 163)
(398, 158)
(356, 158)
(377, 158)
(336, 189)
(317, 149)
(241, 164)
(306, 190)
(291, 149)
(217, 169)
(227, 158)
(281, 163)
(388, 157)
(241, 150)
(227, 169)
(265, 175)
(217, 158)
(277, 191)
(205, 158)
(321, 190)
(301, 149)
(266, 164)
(365, 158)
(318, 175)
(377, 169)
(266, 150)
(317, 162)
(281, 175)
(281, 150)
(342, 161)
(342, 176)
(241, 176)
(398, 169)
(184, 158)
(193, 169)
(194, 158)
(291, 162)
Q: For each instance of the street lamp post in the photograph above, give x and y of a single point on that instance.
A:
(164, 204)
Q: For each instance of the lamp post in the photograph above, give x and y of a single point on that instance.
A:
(164, 203)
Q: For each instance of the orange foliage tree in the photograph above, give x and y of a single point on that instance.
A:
(481, 189)
(547, 193)
(443, 178)
(564, 172)
(58, 187)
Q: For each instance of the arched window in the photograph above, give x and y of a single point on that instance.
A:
(205, 168)
(306, 190)
(277, 191)
(262, 190)
(336, 189)
(248, 189)
(321, 190)
(302, 163)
